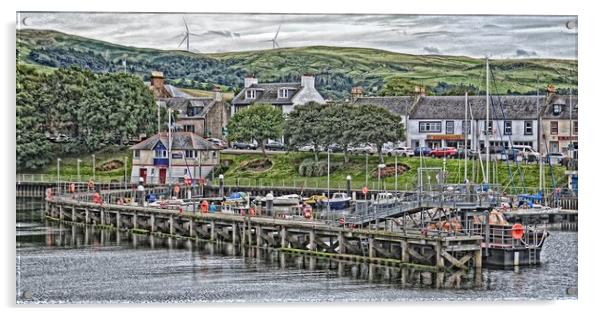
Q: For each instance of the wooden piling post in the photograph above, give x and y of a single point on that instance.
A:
(341, 240)
(61, 215)
(102, 217)
(234, 233)
(135, 220)
(87, 216)
(478, 258)
(405, 252)
(258, 241)
(73, 213)
(171, 225)
(212, 234)
(283, 242)
(243, 235)
(118, 220)
(438, 257)
(370, 247)
(312, 240)
(191, 230)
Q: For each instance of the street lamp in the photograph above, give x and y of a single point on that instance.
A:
(366, 184)
(58, 174)
(125, 173)
(348, 185)
(78, 174)
(328, 179)
(93, 167)
(380, 166)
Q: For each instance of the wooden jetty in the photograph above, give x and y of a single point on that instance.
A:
(410, 247)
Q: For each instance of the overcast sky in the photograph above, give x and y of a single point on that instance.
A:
(476, 36)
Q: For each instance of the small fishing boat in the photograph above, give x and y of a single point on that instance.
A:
(385, 199)
(283, 200)
(339, 201)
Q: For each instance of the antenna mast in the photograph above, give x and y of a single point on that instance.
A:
(487, 131)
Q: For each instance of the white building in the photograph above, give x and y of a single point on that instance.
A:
(284, 96)
(192, 157)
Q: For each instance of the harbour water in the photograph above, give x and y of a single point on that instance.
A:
(59, 263)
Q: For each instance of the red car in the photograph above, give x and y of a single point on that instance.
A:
(444, 152)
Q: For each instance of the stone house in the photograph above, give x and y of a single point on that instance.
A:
(559, 123)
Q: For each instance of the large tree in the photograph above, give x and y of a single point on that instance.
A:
(307, 125)
(257, 122)
(376, 125)
(339, 126)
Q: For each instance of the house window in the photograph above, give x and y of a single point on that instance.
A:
(282, 93)
(250, 94)
(189, 128)
(490, 129)
(528, 127)
(429, 127)
(449, 127)
(507, 128)
(557, 109)
(554, 128)
(466, 127)
(575, 127)
(191, 153)
(137, 153)
(160, 153)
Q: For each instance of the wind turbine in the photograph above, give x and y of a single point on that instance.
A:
(187, 36)
(273, 40)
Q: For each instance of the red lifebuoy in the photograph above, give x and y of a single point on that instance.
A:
(251, 212)
(342, 220)
(96, 198)
(205, 206)
(90, 184)
(518, 231)
(307, 211)
(49, 194)
(176, 189)
(72, 187)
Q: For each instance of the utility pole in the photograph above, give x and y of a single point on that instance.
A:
(539, 132)
(366, 184)
(487, 154)
(79, 179)
(328, 180)
(169, 146)
(93, 167)
(465, 136)
(58, 174)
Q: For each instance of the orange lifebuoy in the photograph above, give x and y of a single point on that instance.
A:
(342, 220)
(518, 231)
(72, 187)
(49, 193)
(205, 206)
(90, 184)
(176, 189)
(96, 198)
(307, 211)
(251, 212)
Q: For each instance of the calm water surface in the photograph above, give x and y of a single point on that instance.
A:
(59, 263)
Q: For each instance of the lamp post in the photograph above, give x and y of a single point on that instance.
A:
(366, 184)
(93, 167)
(58, 175)
(395, 172)
(221, 185)
(328, 179)
(348, 185)
(125, 173)
(380, 167)
(78, 174)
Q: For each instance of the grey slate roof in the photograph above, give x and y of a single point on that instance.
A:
(181, 105)
(268, 93)
(566, 103)
(503, 107)
(399, 105)
(181, 141)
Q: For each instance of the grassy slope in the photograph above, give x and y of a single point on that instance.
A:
(369, 67)
(285, 168)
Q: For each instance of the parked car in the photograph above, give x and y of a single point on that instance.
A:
(275, 146)
(402, 151)
(472, 154)
(334, 148)
(362, 149)
(424, 151)
(444, 152)
(218, 142)
(527, 152)
(554, 158)
(243, 145)
(310, 148)
(510, 154)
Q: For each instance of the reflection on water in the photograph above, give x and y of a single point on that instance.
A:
(63, 263)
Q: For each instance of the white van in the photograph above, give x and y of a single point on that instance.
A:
(526, 151)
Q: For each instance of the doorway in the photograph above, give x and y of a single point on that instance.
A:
(162, 175)
(143, 174)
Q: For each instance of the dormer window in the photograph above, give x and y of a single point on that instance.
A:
(250, 94)
(282, 93)
(557, 109)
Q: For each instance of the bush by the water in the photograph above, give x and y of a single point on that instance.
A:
(311, 168)
(256, 165)
(110, 165)
(389, 170)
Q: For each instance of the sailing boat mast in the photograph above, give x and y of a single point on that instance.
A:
(487, 131)
(465, 136)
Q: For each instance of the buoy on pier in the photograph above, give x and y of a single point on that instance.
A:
(518, 231)
(204, 206)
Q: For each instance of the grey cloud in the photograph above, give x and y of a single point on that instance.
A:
(431, 50)
(524, 53)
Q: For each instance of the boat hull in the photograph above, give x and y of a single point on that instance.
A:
(505, 258)
(335, 205)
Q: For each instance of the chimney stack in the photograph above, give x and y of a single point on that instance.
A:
(157, 80)
(250, 80)
(420, 91)
(217, 93)
(308, 81)
(551, 89)
(356, 93)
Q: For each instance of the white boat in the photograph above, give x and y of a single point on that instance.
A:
(339, 201)
(385, 199)
(289, 199)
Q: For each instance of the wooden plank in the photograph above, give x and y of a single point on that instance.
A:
(457, 263)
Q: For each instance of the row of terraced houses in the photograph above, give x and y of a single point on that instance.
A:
(548, 123)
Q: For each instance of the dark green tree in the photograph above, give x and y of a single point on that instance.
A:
(339, 126)
(259, 122)
(376, 125)
(307, 125)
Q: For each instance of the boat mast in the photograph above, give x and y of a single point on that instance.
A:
(487, 153)
(169, 146)
(465, 136)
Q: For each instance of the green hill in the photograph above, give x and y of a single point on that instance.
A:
(337, 69)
